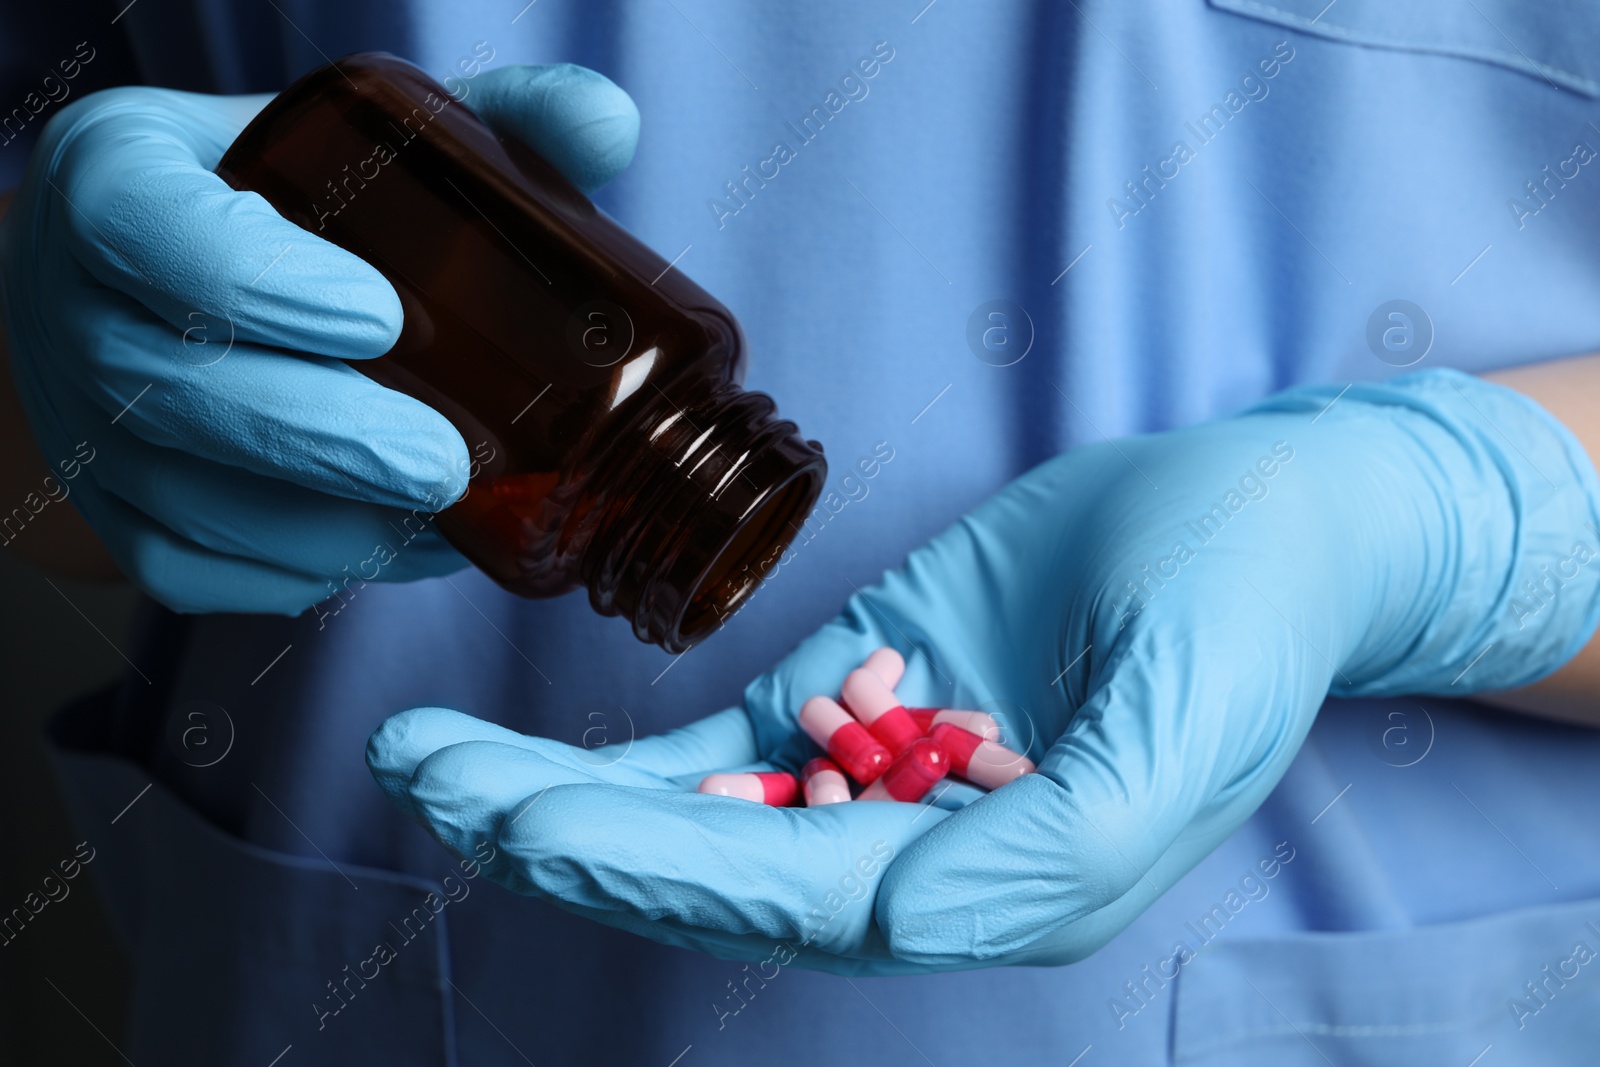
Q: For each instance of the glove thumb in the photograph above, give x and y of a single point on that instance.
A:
(576, 118)
(1152, 757)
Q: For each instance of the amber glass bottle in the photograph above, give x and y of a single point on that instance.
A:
(597, 387)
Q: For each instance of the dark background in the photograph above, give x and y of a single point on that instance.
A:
(49, 653)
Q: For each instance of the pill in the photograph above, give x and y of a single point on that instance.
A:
(887, 664)
(846, 740)
(981, 723)
(877, 707)
(824, 783)
(917, 770)
(978, 761)
(763, 787)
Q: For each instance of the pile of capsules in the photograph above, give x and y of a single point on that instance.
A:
(894, 752)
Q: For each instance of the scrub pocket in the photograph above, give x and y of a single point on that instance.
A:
(1517, 987)
(237, 950)
(1556, 41)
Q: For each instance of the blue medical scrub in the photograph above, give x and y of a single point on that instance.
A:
(1196, 204)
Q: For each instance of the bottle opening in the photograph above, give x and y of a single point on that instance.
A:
(746, 560)
(704, 501)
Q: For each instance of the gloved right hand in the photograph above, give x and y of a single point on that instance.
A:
(1158, 618)
(189, 339)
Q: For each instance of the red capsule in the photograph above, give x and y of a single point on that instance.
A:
(776, 788)
(918, 770)
(875, 705)
(824, 783)
(978, 761)
(846, 740)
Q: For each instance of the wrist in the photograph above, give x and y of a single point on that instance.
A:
(1473, 547)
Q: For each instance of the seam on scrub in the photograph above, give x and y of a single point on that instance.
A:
(1508, 60)
(1356, 1030)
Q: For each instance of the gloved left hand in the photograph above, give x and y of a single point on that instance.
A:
(1161, 618)
(184, 346)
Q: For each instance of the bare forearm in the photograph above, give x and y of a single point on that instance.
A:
(42, 528)
(1569, 389)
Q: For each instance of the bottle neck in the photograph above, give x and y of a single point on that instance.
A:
(701, 500)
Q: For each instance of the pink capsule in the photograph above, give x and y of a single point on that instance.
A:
(764, 787)
(887, 664)
(981, 723)
(980, 762)
(875, 705)
(845, 739)
(917, 770)
(824, 783)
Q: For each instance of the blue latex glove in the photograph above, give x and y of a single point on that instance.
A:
(148, 307)
(1160, 618)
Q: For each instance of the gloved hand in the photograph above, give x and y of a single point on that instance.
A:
(1160, 618)
(148, 309)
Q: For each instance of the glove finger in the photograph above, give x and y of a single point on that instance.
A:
(867, 959)
(309, 420)
(578, 119)
(250, 516)
(693, 862)
(1157, 743)
(953, 795)
(242, 514)
(190, 578)
(713, 943)
(402, 742)
(179, 573)
(144, 214)
(420, 759)
(724, 741)
(466, 792)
